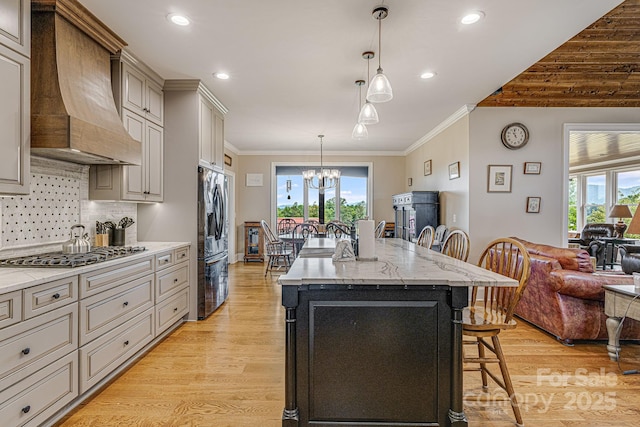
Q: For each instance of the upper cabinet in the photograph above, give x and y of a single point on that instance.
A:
(141, 95)
(15, 25)
(15, 78)
(211, 132)
(140, 101)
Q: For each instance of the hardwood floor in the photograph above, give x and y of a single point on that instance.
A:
(229, 371)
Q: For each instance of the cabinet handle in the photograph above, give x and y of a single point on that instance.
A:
(56, 295)
(26, 351)
(126, 342)
(126, 303)
(175, 309)
(26, 409)
(175, 280)
(182, 255)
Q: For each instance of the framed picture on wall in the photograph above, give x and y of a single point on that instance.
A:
(499, 179)
(454, 170)
(532, 168)
(427, 168)
(533, 204)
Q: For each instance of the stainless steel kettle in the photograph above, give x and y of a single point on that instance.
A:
(77, 244)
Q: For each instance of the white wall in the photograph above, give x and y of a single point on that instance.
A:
(449, 146)
(495, 215)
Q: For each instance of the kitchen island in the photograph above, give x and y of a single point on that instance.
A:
(377, 343)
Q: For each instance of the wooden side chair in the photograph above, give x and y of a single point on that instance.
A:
(425, 238)
(285, 225)
(456, 245)
(438, 237)
(484, 320)
(278, 252)
(379, 231)
(337, 229)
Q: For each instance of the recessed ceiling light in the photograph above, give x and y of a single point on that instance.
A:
(472, 17)
(221, 75)
(178, 19)
(427, 75)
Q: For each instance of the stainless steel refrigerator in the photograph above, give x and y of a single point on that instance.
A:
(213, 241)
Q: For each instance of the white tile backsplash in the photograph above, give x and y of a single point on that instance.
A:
(58, 199)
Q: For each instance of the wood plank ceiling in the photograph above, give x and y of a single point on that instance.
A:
(599, 67)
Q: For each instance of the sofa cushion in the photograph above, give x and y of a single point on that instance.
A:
(569, 258)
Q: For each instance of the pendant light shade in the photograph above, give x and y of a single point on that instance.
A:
(360, 131)
(368, 114)
(379, 87)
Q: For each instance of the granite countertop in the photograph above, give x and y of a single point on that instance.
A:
(399, 263)
(12, 279)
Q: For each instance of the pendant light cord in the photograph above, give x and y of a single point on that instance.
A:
(379, 41)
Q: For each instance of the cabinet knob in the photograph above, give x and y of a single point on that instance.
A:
(126, 303)
(175, 309)
(26, 409)
(175, 280)
(126, 342)
(26, 351)
(56, 295)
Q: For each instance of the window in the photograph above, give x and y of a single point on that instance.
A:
(573, 203)
(596, 196)
(347, 202)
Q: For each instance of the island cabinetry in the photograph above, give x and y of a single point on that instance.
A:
(15, 78)
(38, 353)
(140, 101)
(172, 290)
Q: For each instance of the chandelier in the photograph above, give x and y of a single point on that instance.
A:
(325, 178)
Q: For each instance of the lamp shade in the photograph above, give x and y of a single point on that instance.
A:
(634, 225)
(359, 131)
(620, 211)
(368, 114)
(379, 88)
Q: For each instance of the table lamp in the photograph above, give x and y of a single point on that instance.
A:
(620, 211)
(634, 225)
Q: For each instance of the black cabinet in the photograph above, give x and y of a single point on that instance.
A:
(414, 211)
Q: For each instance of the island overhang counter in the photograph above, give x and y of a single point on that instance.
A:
(377, 343)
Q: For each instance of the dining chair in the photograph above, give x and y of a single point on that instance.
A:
(487, 318)
(278, 251)
(285, 225)
(438, 237)
(337, 229)
(425, 238)
(456, 245)
(300, 233)
(379, 232)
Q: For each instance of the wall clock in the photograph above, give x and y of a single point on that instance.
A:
(514, 136)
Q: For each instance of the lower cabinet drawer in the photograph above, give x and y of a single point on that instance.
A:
(100, 313)
(48, 336)
(169, 311)
(171, 279)
(10, 308)
(48, 296)
(33, 399)
(100, 357)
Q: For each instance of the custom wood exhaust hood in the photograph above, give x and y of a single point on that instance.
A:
(73, 112)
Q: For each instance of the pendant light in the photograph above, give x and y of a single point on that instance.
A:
(380, 88)
(359, 130)
(368, 114)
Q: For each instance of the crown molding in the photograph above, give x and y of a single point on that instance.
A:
(324, 153)
(195, 85)
(462, 112)
(229, 146)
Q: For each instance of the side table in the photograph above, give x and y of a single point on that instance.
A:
(618, 301)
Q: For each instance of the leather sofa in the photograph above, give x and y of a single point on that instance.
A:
(589, 240)
(565, 298)
(630, 258)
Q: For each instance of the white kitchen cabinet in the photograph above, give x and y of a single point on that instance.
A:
(141, 95)
(140, 102)
(15, 25)
(211, 133)
(14, 122)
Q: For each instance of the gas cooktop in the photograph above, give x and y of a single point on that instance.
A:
(60, 259)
